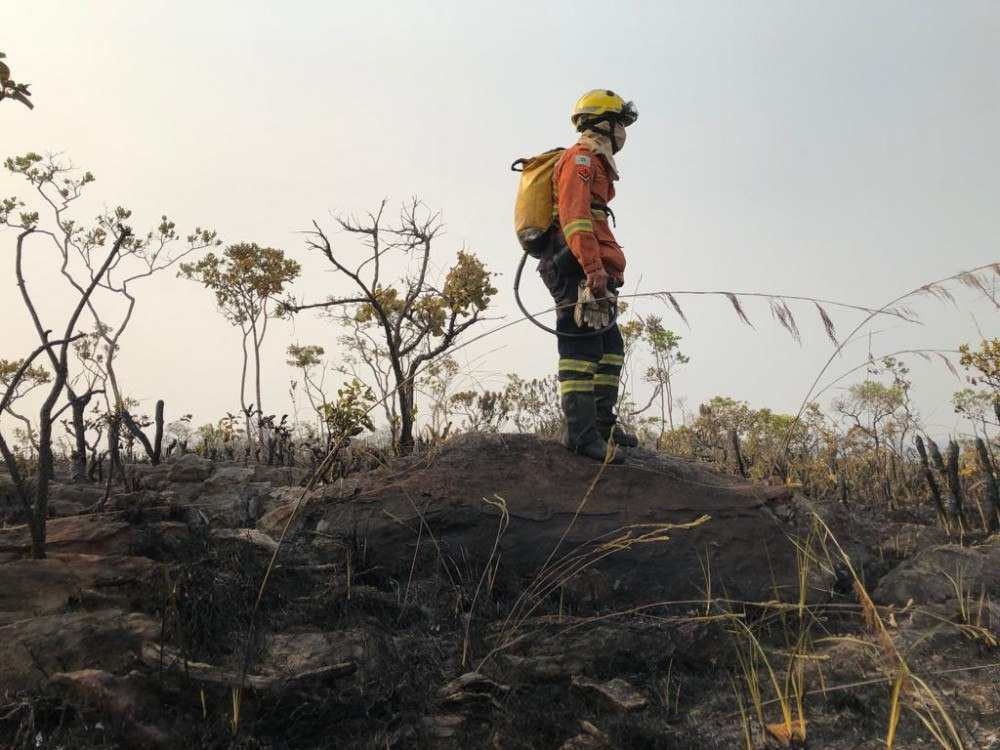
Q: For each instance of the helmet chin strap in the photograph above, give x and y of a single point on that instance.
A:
(609, 133)
(615, 145)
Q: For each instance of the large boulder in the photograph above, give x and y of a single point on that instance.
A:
(274, 521)
(148, 477)
(223, 493)
(942, 575)
(94, 535)
(35, 587)
(104, 535)
(190, 468)
(106, 639)
(231, 496)
(546, 508)
(280, 475)
(42, 587)
(84, 494)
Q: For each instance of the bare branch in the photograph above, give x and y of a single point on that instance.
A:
(26, 364)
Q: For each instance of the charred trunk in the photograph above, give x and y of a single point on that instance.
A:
(78, 405)
(734, 440)
(157, 433)
(932, 484)
(405, 442)
(114, 455)
(153, 448)
(954, 480)
(992, 491)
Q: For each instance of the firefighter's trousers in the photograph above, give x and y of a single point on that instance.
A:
(590, 365)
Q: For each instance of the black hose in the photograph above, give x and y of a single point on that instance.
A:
(553, 331)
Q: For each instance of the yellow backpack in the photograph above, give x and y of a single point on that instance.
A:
(533, 209)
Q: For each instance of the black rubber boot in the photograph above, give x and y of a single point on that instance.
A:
(607, 422)
(620, 436)
(582, 436)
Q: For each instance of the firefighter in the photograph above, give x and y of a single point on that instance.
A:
(583, 273)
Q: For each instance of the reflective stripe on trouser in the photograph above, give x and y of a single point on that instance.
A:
(606, 384)
(609, 371)
(576, 375)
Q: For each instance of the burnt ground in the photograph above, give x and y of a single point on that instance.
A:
(495, 593)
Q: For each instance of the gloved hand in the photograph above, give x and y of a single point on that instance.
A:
(597, 282)
(591, 312)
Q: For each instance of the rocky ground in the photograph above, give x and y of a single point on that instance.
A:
(494, 593)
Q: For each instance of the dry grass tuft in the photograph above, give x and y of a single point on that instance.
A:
(782, 313)
(909, 690)
(677, 308)
(739, 308)
(489, 570)
(828, 326)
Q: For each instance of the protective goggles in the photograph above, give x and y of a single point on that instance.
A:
(628, 114)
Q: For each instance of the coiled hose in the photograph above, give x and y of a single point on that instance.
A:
(553, 331)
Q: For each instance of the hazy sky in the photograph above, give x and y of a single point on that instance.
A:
(846, 150)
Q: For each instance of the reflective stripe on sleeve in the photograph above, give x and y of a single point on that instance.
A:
(579, 225)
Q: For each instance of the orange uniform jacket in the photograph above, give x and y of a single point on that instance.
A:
(581, 178)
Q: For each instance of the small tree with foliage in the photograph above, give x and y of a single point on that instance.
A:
(30, 378)
(308, 359)
(484, 411)
(35, 495)
(400, 326)
(56, 187)
(981, 405)
(534, 404)
(880, 418)
(664, 345)
(438, 383)
(11, 89)
(984, 363)
(245, 277)
(349, 415)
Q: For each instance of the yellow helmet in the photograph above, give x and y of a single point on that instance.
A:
(602, 105)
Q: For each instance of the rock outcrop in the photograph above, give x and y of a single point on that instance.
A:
(495, 592)
(550, 503)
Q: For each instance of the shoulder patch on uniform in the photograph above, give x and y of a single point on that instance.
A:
(583, 159)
